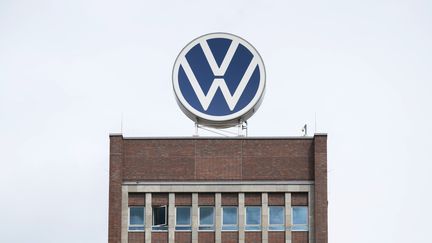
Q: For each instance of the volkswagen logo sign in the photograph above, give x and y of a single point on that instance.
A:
(219, 80)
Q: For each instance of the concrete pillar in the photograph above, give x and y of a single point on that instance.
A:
(148, 217)
(218, 223)
(124, 214)
(195, 219)
(171, 218)
(288, 223)
(264, 217)
(241, 219)
(311, 221)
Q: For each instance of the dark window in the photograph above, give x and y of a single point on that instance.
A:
(160, 218)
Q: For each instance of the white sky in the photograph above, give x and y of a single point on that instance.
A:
(69, 69)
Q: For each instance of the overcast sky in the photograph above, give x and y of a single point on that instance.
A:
(69, 69)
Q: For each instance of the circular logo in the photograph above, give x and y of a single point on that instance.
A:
(219, 79)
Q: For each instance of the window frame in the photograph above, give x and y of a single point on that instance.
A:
(206, 225)
(233, 225)
(136, 225)
(260, 217)
(183, 225)
(283, 222)
(160, 227)
(307, 219)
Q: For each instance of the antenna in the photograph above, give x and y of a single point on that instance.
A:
(304, 130)
(121, 123)
(315, 123)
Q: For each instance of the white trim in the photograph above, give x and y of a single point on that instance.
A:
(187, 183)
(196, 188)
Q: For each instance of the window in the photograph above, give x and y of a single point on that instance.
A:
(136, 218)
(183, 218)
(206, 218)
(253, 218)
(229, 218)
(300, 219)
(276, 218)
(160, 218)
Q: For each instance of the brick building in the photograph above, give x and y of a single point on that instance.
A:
(194, 189)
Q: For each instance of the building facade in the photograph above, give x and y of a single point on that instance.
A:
(194, 189)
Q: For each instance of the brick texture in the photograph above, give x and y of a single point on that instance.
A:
(301, 237)
(159, 237)
(229, 199)
(208, 237)
(198, 159)
(253, 199)
(159, 199)
(206, 199)
(183, 199)
(115, 181)
(299, 199)
(136, 237)
(320, 158)
(276, 199)
(277, 237)
(183, 237)
(230, 237)
(253, 237)
(136, 199)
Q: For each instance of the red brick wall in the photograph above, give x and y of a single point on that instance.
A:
(253, 237)
(218, 159)
(230, 237)
(206, 199)
(136, 237)
(299, 199)
(252, 199)
(159, 199)
(277, 237)
(183, 199)
(159, 237)
(115, 191)
(276, 199)
(136, 199)
(229, 199)
(183, 237)
(300, 237)
(207, 237)
(321, 204)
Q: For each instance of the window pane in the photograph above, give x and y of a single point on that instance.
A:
(299, 228)
(229, 215)
(159, 215)
(300, 215)
(183, 216)
(136, 216)
(230, 227)
(253, 215)
(206, 215)
(277, 227)
(277, 215)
